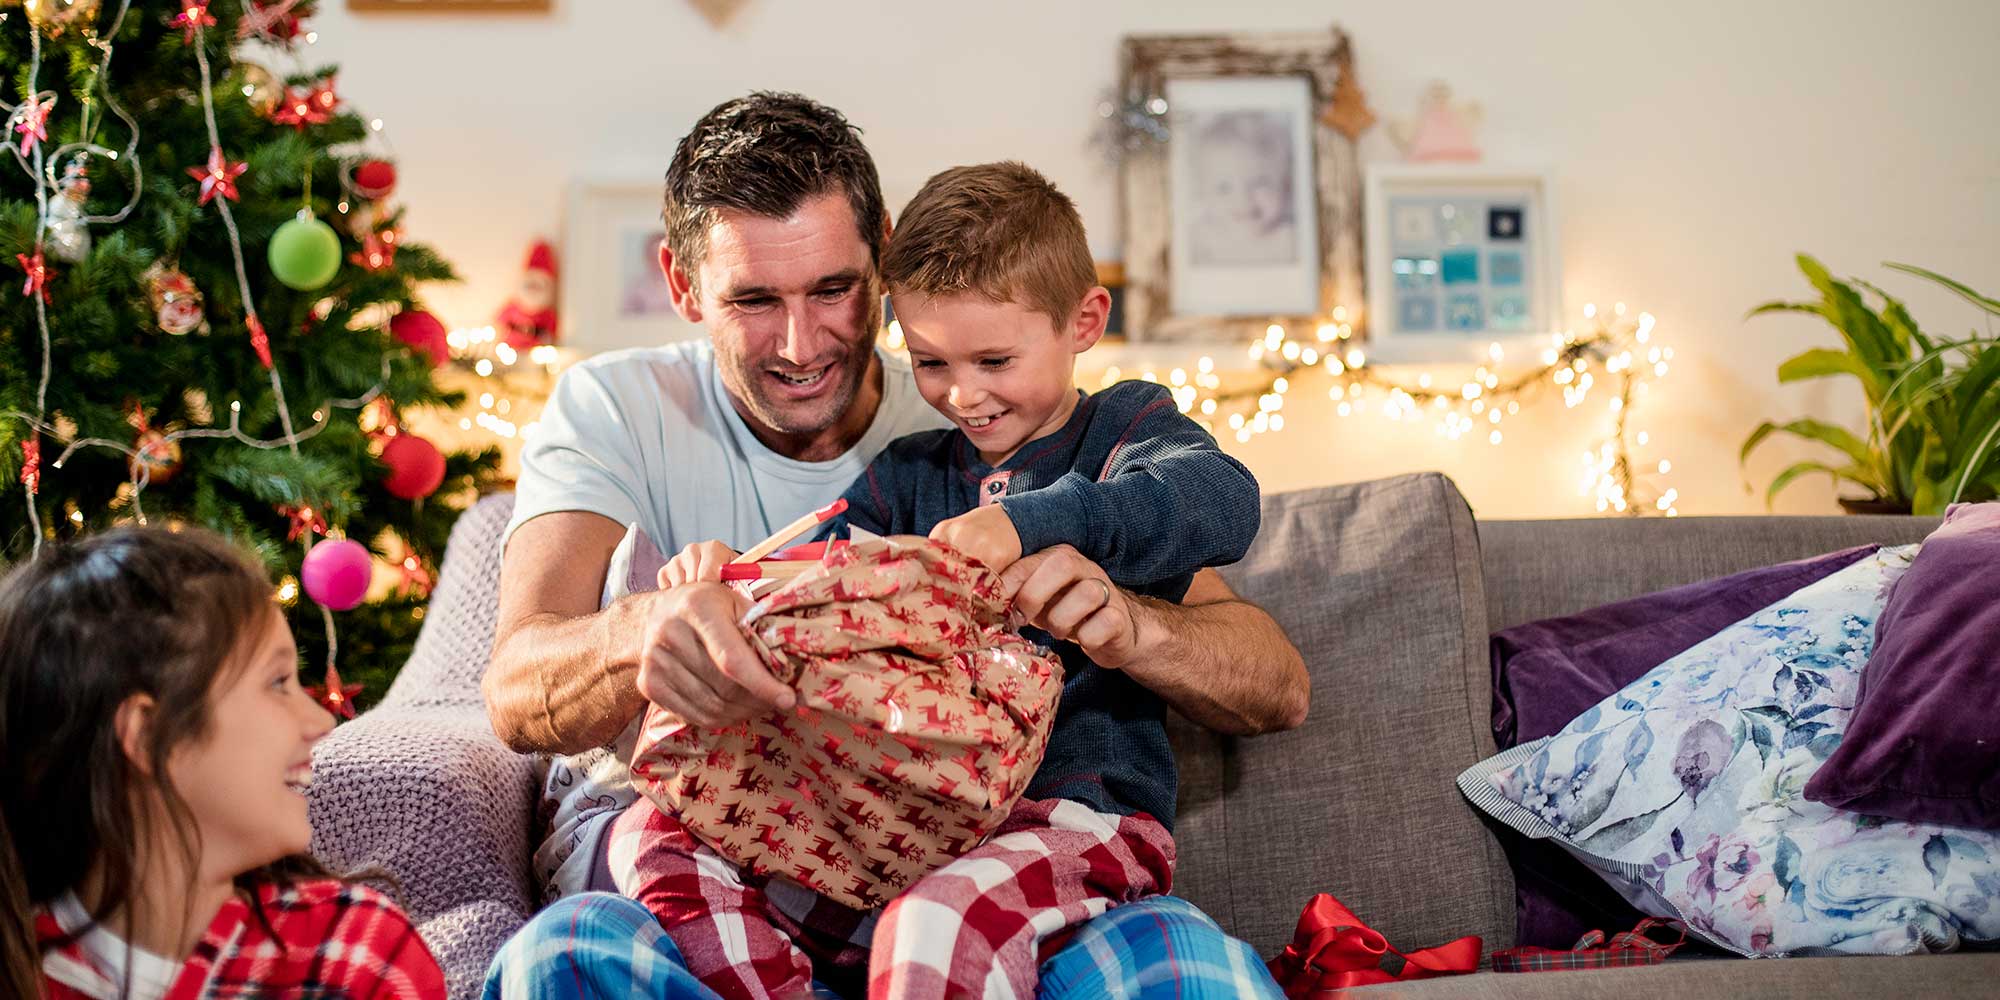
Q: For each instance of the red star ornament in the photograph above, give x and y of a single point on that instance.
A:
(258, 341)
(378, 251)
(38, 275)
(31, 465)
(334, 696)
(305, 521)
(323, 99)
(299, 109)
(218, 177)
(193, 17)
(34, 123)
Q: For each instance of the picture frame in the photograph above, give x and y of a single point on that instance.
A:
(614, 294)
(1461, 257)
(1248, 213)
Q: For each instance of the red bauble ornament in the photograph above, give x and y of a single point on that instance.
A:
(416, 467)
(159, 455)
(424, 333)
(374, 179)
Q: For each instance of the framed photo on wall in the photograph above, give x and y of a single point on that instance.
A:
(1246, 210)
(614, 294)
(1460, 257)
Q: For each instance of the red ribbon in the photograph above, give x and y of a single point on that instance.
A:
(1332, 949)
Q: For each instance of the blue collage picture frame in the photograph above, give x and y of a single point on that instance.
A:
(1457, 256)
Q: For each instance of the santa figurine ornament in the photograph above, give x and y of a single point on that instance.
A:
(529, 318)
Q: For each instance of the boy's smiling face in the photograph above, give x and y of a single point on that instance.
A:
(1003, 373)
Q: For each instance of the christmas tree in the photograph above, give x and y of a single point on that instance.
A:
(187, 339)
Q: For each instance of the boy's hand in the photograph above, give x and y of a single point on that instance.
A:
(699, 561)
(986, 534)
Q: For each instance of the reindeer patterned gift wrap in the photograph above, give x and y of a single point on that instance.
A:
(920, 719)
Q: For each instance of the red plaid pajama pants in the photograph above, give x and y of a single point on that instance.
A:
(979, 926)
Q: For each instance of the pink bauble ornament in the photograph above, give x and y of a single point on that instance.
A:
(416, 467)
(336, 573)
(424, 333)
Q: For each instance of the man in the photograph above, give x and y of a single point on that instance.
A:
(775, 226)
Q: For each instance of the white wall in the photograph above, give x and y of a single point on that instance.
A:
(1698, 145)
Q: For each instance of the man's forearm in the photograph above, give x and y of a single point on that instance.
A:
(1224, 664)
(565, 685)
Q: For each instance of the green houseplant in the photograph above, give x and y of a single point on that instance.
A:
(1933, 434)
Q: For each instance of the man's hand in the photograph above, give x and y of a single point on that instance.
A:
(697, 663)
(1060, 592)
(984, 533)
(698, 561)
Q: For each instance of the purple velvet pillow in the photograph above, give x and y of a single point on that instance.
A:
(1923, 744)
(1546, 673)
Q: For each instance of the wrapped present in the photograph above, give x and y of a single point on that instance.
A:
(920, 719)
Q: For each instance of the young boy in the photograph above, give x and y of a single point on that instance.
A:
(993, 284)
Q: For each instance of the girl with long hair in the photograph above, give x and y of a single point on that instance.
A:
(155, 751)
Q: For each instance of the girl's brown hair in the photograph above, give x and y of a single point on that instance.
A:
(168, 614)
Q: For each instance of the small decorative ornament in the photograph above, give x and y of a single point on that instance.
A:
(193, 17)
(414, 575)
(262, 89)
(529, 318)
(299, 109)
(31, 464)
(374, 179)
(33, 122)
(176, 302)
(335, 696)
(336, 573)
(218, 177)
(55, 17)
(416, 467)
(158, 455)
(1347, 111)
(69, 235)
(423, 332)
(259, 341)
(38, 275)
(378, 251)
(1442, 131)
(305, 522)
(271, 22)
(305, 252)
(323, 99)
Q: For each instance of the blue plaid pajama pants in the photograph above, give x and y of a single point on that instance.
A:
(599, 945)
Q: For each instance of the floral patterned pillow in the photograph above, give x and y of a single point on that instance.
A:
(1684, 791)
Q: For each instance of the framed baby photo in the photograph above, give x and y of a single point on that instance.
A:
(614, 294)
(1460, 257)
(1242, 207)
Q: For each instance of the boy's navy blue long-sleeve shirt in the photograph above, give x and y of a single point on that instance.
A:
(1134, 486)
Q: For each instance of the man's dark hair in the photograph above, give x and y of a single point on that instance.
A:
(765, 154)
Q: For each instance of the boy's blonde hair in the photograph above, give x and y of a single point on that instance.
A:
(998, 229)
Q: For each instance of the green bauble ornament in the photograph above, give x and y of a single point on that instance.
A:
(305, 253)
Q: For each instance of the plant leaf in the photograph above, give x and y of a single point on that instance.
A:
(1785, 478)
(1981, 301)
(1850, 315)
(1821, 362)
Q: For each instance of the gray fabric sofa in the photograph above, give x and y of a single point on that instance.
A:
(1390, 588)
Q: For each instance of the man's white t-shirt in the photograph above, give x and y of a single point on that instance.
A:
(649, 438)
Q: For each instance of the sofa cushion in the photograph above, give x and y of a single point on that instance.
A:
(1924, 743)
(1378, 585)
(1547, 672)
(1683, 789)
